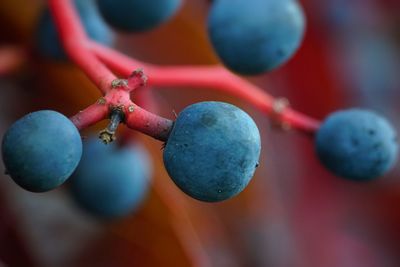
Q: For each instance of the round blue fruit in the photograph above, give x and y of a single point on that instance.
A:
(137, 15)
(48, 41)
(254, 36)
(41, 150)
(212, 151)
(111, 181)
(357, 144)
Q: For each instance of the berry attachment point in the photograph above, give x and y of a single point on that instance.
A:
(117, 116)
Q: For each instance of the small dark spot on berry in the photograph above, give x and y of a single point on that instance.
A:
(280, 52)
(371, 132)
(257, 164)
(208, 120)
(355, 142)
(377, 145)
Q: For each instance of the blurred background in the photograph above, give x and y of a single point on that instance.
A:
(293, 214)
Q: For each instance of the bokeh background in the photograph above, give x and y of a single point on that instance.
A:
(293, 214)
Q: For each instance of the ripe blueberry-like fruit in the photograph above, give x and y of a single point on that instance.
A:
(357, 144)
(137, 15)
(212, 151)
(41, 150)
(48, 41)
(255, 36)
(111, 181)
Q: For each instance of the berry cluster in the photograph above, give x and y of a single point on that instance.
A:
(212, 149)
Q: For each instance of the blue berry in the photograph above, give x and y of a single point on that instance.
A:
(212, 151)
(111, 181)
(41, 150)
(255, 36)
(357, 144)
(137, 15)
(48, 42)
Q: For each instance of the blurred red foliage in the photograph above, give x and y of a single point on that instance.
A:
(294, 213)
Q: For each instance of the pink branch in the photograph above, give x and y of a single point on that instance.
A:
(80, 49)
(136, 117)
(73, 38)
(148, 123)
(116, 91)
(117, 61)
(91, 115)
(211, 77)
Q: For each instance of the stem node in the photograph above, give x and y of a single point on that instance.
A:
(118, 83)
(279, 106)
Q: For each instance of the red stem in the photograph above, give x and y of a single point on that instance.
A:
(80, 48)
(149, 123)
(91, 115)
(212, 77)
(73, 38)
